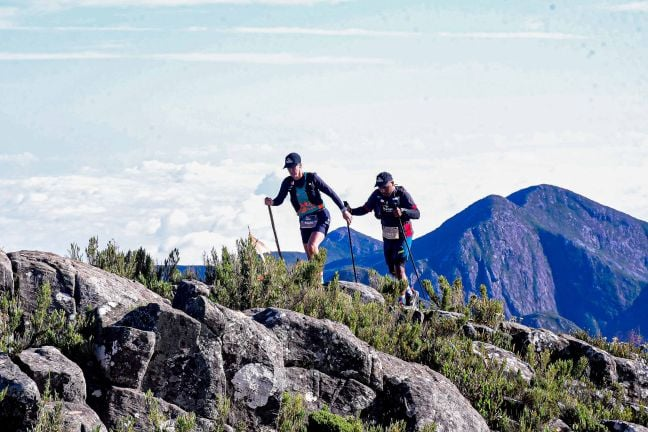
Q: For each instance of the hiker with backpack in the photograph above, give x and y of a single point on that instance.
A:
(305, 189)
(395, 208)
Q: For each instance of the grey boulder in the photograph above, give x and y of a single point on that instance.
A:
(367, 294)
(508, 361)
(186, 367)
(19, 408)
(124, 354)
(48, 364)
(6, 274)
(421, 396)
(621, 426)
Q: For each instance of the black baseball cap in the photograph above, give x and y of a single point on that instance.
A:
(383, 178)
(291, 160)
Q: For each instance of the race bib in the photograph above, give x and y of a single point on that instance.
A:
(308, 222)
(390, 233)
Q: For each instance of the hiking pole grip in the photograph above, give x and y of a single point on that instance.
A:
(274, 230)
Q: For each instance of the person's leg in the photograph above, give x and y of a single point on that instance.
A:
(312, 247)
(400, 260)
(318, 235)
(403, 255)
(391, 249)
(305, 235)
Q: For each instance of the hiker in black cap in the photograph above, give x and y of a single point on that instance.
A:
(395, 208)
(305, 197)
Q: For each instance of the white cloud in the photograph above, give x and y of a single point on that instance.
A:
(322, 32)
(7, 15)
(203, 57)
(277, 59)
(59, 4)
(81, 29)
(640, 6)
(510, 35)
(42, 56)
(19, 159)
(161, 205)
(350, 32)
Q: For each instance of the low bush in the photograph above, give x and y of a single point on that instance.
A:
(20, 330)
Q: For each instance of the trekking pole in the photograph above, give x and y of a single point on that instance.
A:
(355, 275)
(274, 230)
(409, 252)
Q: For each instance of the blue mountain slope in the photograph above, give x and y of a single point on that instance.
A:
(545, 251)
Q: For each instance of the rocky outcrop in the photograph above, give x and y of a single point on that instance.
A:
(324, 345)
(124, 354)
(19, 407)
(48, 367)
(538, 340)
(6, 273)
(633, 375)
(602, 367)
(366, 293)
(421, 396)
(33, 269)
(186, 367)
(76, 286)
(509, 361)
(192, 356)
(188, 289)
(78, 417)
(621, 426)
(403, 390)
(344, 396)
(132, 405)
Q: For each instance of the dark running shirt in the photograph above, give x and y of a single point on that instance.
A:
(383, 208)
(313, 185)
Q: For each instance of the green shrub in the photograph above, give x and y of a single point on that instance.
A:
(429, 289)
(50, 413)
(292, 414)
(631, 350)
(136, 265)
(325, 421)
(223, 406)
(484, 310)
(19, 331)
(452, 296)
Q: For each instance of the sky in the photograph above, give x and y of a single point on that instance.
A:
(164, 123)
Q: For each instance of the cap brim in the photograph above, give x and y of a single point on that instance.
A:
(290, 165)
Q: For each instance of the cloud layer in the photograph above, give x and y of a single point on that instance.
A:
(199, 205)
(200, 57)
(51, 4)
